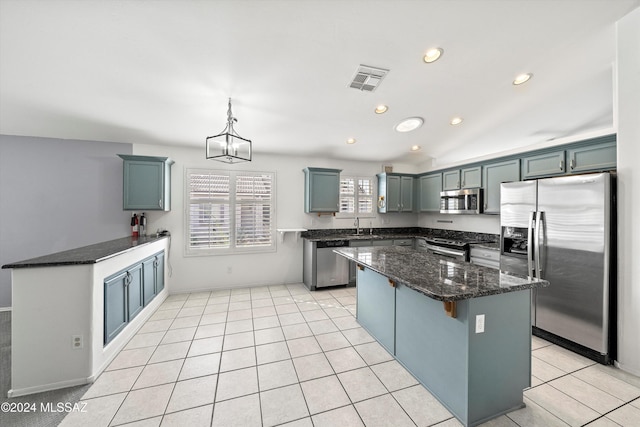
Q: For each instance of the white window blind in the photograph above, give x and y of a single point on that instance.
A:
(230, 211)
(356, 196)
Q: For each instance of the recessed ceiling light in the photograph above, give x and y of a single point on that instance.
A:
(380, 109)
(415, 148)
(351, 141)
(407, 125)
(433, 55)
(522, 78)
(455, 121)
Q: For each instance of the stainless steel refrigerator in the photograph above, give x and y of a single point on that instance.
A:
(563, 230)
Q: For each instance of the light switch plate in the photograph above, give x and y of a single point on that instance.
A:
(479, 323)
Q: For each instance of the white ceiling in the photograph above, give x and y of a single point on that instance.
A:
(160, 72)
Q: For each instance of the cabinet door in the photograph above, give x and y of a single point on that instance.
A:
(393, 193)
(143, 185)
(430, 188)
(451, 180)
(595, 157)
(548, 164)
(406, 195)
(148, 279)
(115, 306)
(376, 301)
(135, 300)
(322, 190)
(159, 272)
(471, 177)
(494, 175)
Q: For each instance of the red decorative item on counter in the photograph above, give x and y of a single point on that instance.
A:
(134, 226)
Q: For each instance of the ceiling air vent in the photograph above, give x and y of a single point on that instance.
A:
(367, 78)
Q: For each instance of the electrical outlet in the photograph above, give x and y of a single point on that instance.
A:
(77, 342)
(479, 323)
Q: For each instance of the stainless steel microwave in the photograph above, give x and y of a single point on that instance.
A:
(467, 201)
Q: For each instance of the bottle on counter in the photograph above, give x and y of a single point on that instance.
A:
(143, 225)
(134, 226)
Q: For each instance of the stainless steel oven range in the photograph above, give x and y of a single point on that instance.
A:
(447, 248)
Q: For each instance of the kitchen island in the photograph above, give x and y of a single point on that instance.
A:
(464, 331)
(65, 303)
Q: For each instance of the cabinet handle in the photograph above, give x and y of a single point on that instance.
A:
(561, 164)
(572, 164)
(127, 279)
(160, 203)
(463, 183)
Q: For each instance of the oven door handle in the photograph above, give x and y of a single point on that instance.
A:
(442, 251)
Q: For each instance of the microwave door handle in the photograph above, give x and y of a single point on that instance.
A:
(538, 254)
(530, 254)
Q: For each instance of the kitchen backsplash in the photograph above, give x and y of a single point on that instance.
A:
(413, 231)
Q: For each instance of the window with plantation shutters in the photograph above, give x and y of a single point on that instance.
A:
(230, 211)
(356, 197)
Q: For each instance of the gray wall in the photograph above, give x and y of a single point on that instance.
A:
(56, 195)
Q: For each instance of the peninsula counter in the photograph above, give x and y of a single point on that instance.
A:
(464, 331)
(66, 303)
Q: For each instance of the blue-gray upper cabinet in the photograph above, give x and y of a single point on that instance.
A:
(429, 190)
(547, 164)
(462, 178)
(451, 180)
(495, 174)
(321, 190)
(471, 177)
(395, 192)
(146, 183)
(593, 157)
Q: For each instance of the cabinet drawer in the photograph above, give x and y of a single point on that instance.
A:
(403, 242)
(485, 257)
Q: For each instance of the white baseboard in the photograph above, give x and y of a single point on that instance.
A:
(46, 387)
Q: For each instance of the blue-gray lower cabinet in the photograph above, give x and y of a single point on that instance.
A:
(159, 272)
(153, 276)
(376, 305)
(135, 299)
(115, 305)
(127, 292)
(477, 376)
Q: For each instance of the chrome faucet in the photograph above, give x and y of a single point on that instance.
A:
(356, 224)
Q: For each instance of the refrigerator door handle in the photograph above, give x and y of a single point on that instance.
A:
(530, 253)
(538, 248)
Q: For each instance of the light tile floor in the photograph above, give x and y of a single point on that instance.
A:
(281, 355)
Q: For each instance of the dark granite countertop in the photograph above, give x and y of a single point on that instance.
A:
(86, 254)
(435, 277)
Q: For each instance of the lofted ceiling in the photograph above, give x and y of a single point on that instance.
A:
(160, 72)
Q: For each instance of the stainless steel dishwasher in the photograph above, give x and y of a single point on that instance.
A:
(321, 266)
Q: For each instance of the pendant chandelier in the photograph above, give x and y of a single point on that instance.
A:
(228, 146)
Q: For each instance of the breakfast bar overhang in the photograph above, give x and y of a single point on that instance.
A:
(464, 331)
